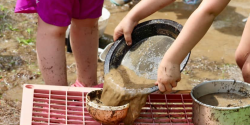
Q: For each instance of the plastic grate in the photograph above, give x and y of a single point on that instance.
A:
(67, 106)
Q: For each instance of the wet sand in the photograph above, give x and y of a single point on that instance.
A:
(211, 59)
(144, 57)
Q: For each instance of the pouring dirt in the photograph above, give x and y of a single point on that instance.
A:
(122, 86)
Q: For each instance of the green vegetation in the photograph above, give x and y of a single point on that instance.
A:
(7, 26)
(29, 31)
(10, 27)
(38, 73)
(185, 72)
(2, 8)
(25, 41)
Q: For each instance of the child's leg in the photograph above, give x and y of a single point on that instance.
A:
(242, 53)
(84, 40)
(50, 43)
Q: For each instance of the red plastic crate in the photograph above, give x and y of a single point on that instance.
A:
(52, 105)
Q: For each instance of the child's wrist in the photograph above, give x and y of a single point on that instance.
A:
(171, 59)
(132, 18)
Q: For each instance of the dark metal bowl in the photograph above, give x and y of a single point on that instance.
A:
(141, 32)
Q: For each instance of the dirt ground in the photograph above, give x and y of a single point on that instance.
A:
(211, 59)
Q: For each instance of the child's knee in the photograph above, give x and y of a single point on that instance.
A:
(59, 32)
(246, 70)
(239, 58)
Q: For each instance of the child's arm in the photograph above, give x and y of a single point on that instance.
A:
(194, 29)
(140, 11)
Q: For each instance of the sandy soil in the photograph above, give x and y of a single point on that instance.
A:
(211, 59)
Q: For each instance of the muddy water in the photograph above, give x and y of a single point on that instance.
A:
(145, 56)
(212, 58)
(225, 100)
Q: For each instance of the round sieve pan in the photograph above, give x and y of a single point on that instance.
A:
(146, 52)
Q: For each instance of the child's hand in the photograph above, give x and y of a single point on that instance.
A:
(168, 75)
(125, 27)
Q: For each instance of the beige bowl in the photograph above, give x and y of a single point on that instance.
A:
(105, 114)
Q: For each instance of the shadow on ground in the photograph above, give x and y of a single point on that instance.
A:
(228, 21)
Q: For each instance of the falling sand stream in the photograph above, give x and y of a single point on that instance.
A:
(211, 59)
